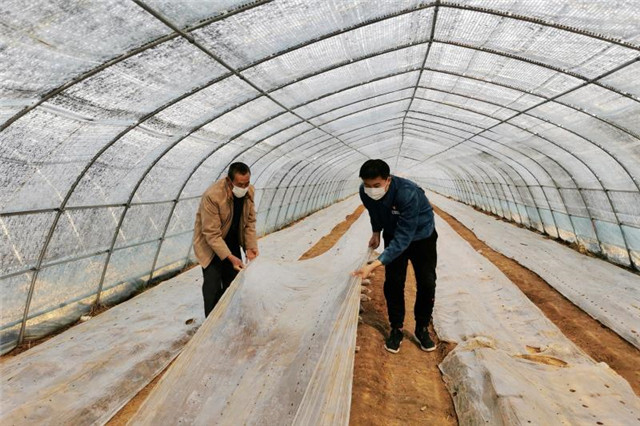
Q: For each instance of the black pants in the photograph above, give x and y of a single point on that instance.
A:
(423, 256)
(218, 276)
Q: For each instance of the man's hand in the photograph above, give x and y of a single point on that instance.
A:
(374, 242)
(366, 270)
(252, 254)
(237, 263)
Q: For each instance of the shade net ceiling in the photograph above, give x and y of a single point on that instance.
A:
(117, 114)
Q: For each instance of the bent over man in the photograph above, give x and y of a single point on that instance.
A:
(225, 221)
(400, 209)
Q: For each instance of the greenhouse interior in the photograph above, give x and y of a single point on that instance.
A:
(519, 120)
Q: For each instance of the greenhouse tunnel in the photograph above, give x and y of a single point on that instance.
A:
(116, 115)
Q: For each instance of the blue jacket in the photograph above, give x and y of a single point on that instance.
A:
(404, 213)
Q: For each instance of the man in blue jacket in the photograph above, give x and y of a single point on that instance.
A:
(400, 208)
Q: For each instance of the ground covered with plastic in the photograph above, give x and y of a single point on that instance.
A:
(492, 340)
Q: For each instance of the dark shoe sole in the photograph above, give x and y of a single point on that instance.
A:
(393, 351)
(431, 349)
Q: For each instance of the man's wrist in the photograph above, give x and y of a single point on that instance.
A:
(376, 263)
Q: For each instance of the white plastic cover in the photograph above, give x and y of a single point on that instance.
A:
(277, 349)
(512, 365)
(606, 292)
(87, 373)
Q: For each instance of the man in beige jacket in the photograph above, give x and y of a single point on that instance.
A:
(225, 221)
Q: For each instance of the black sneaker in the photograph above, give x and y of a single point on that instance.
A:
(392, 343)
(422, 336)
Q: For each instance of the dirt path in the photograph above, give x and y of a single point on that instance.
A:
(595, 339)
(397, 389)
(388, 389)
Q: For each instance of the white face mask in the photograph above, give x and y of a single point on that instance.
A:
(375, 193)
(239, 192)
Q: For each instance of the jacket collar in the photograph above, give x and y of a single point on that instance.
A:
(390, 196)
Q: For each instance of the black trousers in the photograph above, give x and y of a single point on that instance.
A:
(218, 276)
(423, 256)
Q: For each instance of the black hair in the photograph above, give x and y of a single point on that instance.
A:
(236, 168)
(372, 169)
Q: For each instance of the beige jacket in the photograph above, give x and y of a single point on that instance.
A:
(213, 221)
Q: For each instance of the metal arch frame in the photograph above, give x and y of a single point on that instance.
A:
(577, 187)
(530, 223)
(542, 168)
(615, 125)
(318, 163)
(381, 131)
(203, 160)
(294, 107)
(277, 187)
(533, 199)
(484, 101)
(581, 162)
(367, 109)
(372, 21)
(321, 71)
(472, 195)
(495, 207)
(299, 190)
(134, 126)
(311, 199)
(498, 199)
(538, 21)
(295, 212)
(424, 62)
(304, 143)
(208, 156)
(564, 149)
(48, 95)
(190, 246)
(320, 179)
(231, 69)
(290, 192)
(450, 127)
(508, 186)
(300, 147)
(435, 132)
(187, 180)
(470, 139)
(354, 138)
(61, 209)
(468, 195)
(552, 98)
(593, 81)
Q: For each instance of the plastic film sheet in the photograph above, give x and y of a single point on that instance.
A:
(606, 292)
(104, 105)
(511, 364)
(87, 373)
(277, 349)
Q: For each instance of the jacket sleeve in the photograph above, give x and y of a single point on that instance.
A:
(212, 227)
(376, 226)
(250, 239)
(405, 229)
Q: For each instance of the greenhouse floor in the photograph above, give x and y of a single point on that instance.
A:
(506, 347)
